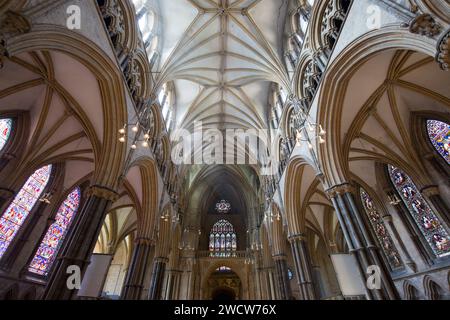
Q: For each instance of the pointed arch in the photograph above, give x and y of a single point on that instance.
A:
(432, 289)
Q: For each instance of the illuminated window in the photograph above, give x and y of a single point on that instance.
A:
(50, 245)
(428, 223)
(290, 274)
(382, 234)
(223, 206)
(223, 269)
(439, 134)
(15, 215)
(222, 239)
(5, 131)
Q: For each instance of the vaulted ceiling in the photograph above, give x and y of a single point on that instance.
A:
(222, 56)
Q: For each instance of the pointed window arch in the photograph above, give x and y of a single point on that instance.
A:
(54, 238)
(426, 220)
(381, 232)
(5, 131)
(15, 215)
(439, 134)
(222, 239)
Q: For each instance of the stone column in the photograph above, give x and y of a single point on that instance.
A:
(159, 267)
(134, 283)
(303, 267)
(172, 284)
(359, 240)
(81, 242)
(282, 277)
(258, 285)
(271, 284)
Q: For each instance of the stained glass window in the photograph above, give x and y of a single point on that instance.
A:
(428, 223)
(222, 239)
(379, 227)
(223, 206)
(223, 269)
(439, 134)
(53, 239)
(5, 131)
(14, 216)
(290, 274)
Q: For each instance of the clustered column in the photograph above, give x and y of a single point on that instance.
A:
(159, 267)
(81, 242)
(303, 266)
(359, 240)
(282, 277)
(134, 283)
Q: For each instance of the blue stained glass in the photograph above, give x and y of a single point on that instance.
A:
(290, 274)
(378, 225)
(53, 239)
(222, 239)
(439, 134)
(16, 213)
(428, 223)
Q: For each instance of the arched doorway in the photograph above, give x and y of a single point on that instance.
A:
(224, 284)
(223, 294)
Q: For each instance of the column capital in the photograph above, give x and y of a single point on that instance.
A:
(340, 189)
(144, 241)
(296, 237)
(11, 24)
(161, 259)
(429, 191)
(279, 256)
(102, 192)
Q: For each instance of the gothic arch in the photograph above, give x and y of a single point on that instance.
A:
(432, 290)
(71, 44)
(336, 82)
(409, 291)
(146, 186)
(301, 176)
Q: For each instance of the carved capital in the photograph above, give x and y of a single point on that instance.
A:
(102, 192)
(278, 257)
(161, 260)
(443, 46)
(11, 24)
(296, 237)
(425, 25)
(340, 189)
(144, 241)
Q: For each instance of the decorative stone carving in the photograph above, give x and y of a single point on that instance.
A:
(311, 80)
(425, 25)
(11, 24)
(340, 189)
(102, 192)
(113, 16)
(442, 56)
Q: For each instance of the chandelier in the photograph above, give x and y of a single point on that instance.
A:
(141, 127)
(223, 206)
